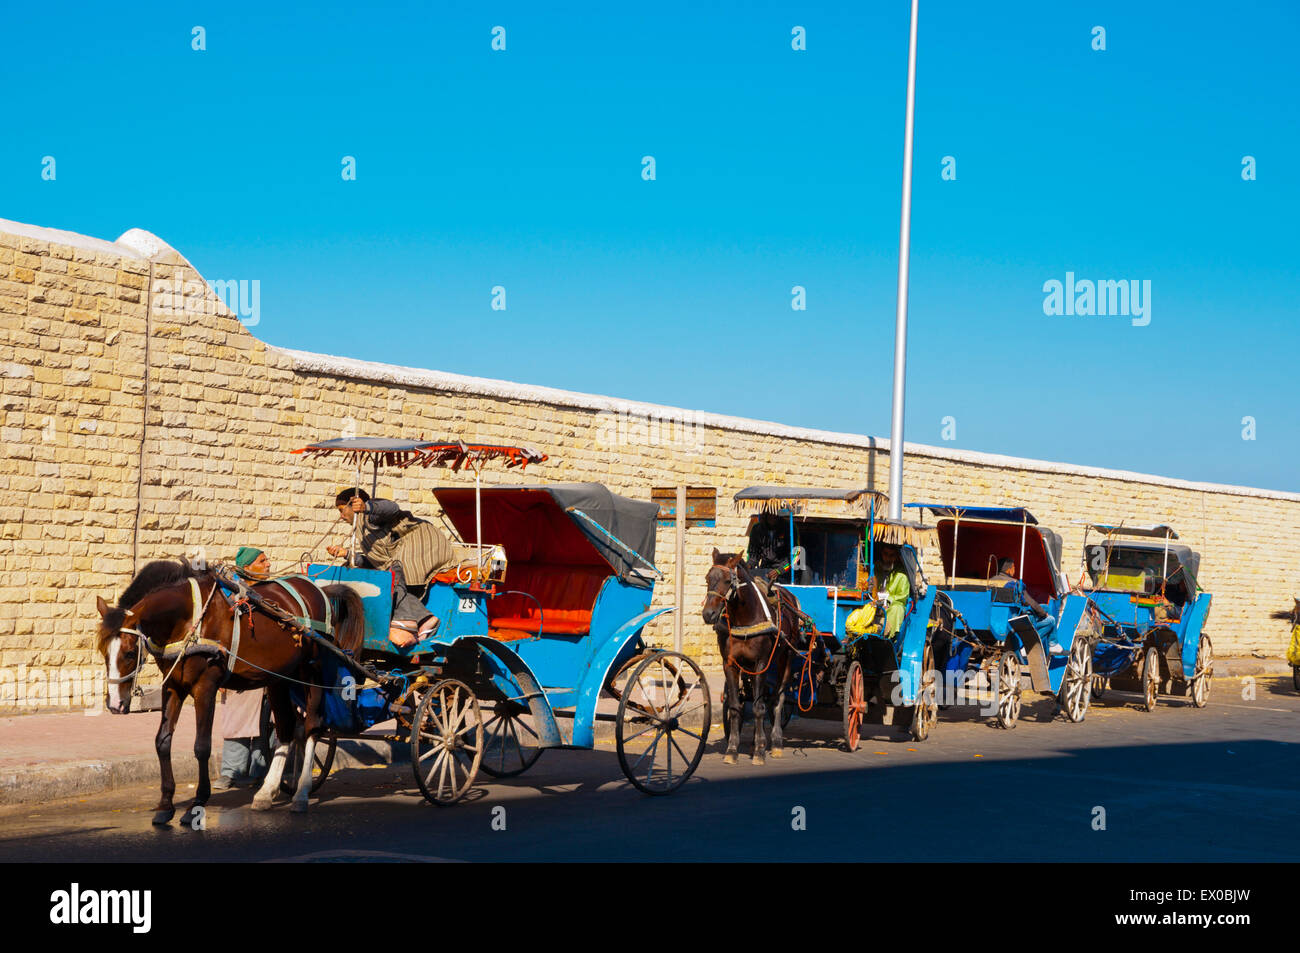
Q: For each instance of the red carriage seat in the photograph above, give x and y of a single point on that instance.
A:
(567, 596)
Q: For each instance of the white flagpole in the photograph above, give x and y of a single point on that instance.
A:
(900, 320)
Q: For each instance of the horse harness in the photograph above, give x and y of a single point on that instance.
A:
(242, 600)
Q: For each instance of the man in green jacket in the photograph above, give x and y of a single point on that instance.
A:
(896, 589)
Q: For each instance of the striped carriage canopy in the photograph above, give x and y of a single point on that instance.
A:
(453, 454)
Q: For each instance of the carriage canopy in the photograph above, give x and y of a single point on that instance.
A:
(561, 524)
(973, 540)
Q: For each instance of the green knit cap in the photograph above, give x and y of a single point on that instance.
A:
(245, 556)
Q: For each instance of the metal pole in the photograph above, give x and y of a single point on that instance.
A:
(900, 319)
(679, 580)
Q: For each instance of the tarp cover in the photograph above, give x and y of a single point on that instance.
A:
(535, 525)
(1009, 514)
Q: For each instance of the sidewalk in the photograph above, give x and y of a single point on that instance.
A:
(45, 756)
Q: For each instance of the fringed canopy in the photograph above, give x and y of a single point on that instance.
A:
(899, 533)
(793, 499)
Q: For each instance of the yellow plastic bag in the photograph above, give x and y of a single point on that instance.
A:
(863, 620)
(1292, 653)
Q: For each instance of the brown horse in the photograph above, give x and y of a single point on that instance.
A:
(174, 613)
(753, 642)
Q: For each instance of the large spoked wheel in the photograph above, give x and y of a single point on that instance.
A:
(447, 742)
(1009, 689)
(925, 713)
(1151, 679)
(663, 722)
(1204, 672)
(1076, 683)
(855, 706)
(1099, 685)
(511, 744)
(322, 762)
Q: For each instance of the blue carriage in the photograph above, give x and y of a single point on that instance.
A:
(1152, 612)
(1004, 628)
(539, 639)
(879, 668)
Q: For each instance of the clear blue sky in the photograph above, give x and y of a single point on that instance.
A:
(775, 168)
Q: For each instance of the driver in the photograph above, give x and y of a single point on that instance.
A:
(412, 549)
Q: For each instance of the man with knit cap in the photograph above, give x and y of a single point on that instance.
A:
(242, 761)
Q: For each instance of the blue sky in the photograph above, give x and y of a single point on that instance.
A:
(775, 168)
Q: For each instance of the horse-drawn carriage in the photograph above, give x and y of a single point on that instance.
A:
(1152, 610)
(821, 547)
(1005, 625)
(539, 620)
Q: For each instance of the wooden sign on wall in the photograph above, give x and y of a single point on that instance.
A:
(701, 505)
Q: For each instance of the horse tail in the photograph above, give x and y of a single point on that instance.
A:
(349, 617)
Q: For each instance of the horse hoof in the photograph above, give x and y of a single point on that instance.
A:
(729, 759)
(759, 761)
(261, 803)
(298, 807)
(778, 752)
(187, 821)
(163, 818)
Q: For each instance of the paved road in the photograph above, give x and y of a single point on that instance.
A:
(1177, 784)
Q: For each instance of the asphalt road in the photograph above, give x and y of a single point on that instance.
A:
(1177, 784)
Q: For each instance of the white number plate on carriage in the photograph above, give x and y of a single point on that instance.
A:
(468, 604)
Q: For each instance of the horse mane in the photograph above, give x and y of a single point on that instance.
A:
(152, 576)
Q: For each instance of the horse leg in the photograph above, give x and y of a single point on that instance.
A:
(286, 717)
(171, 712)
(734, 711)
(761, 728)
(312, 728)
(205, 709)
(777, 741)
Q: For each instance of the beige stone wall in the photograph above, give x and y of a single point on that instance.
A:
(224, 410)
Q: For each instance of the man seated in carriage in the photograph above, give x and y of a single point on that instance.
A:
(896, 588)
(412, 549)
(1043, 622)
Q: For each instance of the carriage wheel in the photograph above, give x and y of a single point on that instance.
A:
(855, 706)
(1008, 689)
(1099, 685)
(512, 744)
(447, 742)
(322, 762)
(1295, 677)
(925, 713)
(1076, 683)
(1204, 672)
(1151, 679)
(663, 722)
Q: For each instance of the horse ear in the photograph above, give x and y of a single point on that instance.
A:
(186, 563)
(717, 558)
(102, 606)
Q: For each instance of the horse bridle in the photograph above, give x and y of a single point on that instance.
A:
(732, 589)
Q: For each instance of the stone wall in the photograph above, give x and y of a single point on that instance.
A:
(141, 420)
